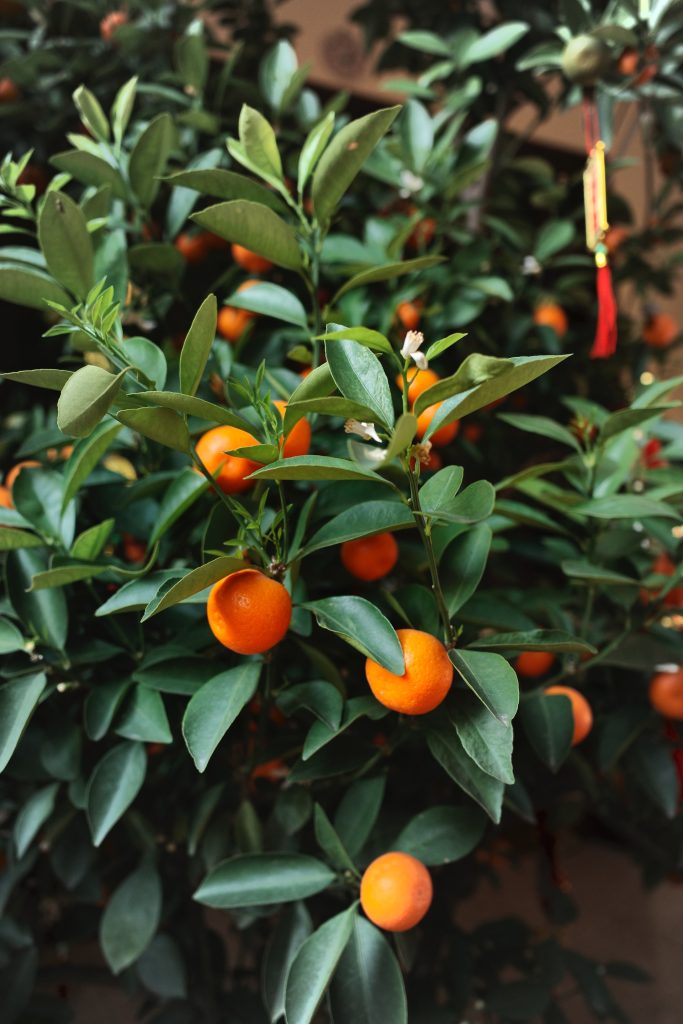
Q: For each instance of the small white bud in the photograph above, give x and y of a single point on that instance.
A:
(367, 431)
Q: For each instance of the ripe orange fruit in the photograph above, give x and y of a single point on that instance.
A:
(370, 558)
(422, 234)
(396, 891)
(581, 710)
(418, 381)
(272, 771)
(14, 472)
(232, 321)
(211, 449)
(660, 330)
(628, 62)
(409, 314)
(666, 694)
(249, 260)
(533, 664)
(111, 23)
(249, 612)
(441, 437)
(299, 438)
(133, 550)
(6, 497)
(192, 248)
(9, 91)
(549, 314)
(425, 682)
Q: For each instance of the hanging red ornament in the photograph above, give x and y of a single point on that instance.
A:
(597, 225)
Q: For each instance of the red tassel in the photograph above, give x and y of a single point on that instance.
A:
(605, 343)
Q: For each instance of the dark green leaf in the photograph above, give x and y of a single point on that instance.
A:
(359, 375)
(85, 456)
(361, 521)
(292, 929)
(314, 965)
(491, 678)
(386, 272)
(197, 345)
(358, 811)
(534, 640)
(368, 984)
(548, 722)
(131, 917)
(114, 784)
(261, 879)
(193, 582)
(488, 792)
(187, 486)
(18, 700)
(484, 738)
(33, 816)
(148, 159)
(271, 300)
(463, 565)
(362, 625)
(330, 843)
(215, 707)
(441, 835)
(255, 227)
(43, 613)
(144, 718)
(315, 467)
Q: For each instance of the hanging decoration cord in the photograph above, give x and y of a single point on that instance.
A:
(595, 205)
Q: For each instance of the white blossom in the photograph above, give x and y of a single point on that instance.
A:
(367, 431)
(530, 265)
(412, 343)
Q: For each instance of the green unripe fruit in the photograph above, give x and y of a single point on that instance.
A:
(585, 59)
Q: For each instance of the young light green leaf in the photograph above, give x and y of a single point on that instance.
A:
(92, 115)
(255, 227)
(259, 143)
(313, 148)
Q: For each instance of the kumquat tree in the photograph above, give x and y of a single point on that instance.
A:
(341, 515)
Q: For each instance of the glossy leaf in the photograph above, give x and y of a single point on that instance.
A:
(491, 678)
(182, 493)
(314, 965)
(85, 456)
(271, 300)
(313, 148)
(362, 625)
(361, 521)
(556, 640)
(197, 345)
(89, 544)
(255, 227)
(131, 917)
(548, 722)
(18, 700)
(33, 816)
(441, 835)
(291, 931)
(115, 782)
(193, 582)
(463, 566)
(330, 843)
(358, 811)
(386, 272)
(319, 696)
(44, 613)
(10, 637)
(144, 718)
(101, 705)
(314, 467)
(214, 708)
(359, 375)
(447, 749)
(368, 985)
(487, 741)
(261, 879)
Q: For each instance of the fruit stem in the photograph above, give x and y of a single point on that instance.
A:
(431, 557)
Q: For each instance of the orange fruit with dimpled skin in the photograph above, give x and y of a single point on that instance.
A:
(533, 664)
(408, 314)
(424, 684)
(666, 694)
(418, 381)
(6, 497)
(14, 472)
(660, 331)
(549, 314)
(370, 558)
(581, 711)
(396, 891)
(299, 438)
(442, 436)
(249, 260)
(248, 612)
(211, 449)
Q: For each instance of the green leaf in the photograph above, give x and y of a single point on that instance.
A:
(447, 749)
(89, 544)
(386, 272)
(191, 57)
(426, 42)
(197, 346)
(402, 437)
(626, 419)
(190, 405)
(319, 735)
(315, 467)
(227, 185)
(148, 358)
(320, 697)
(441, 835)
(85, 456)
(38, 498)
(463, 565)
(475, 369)
(361, 521)
(332, 405)
(358, 811)
(261, 879)
(11, 639)
(314, 965)
(362, 625)
(44, 614)
(548, 722)
(18, 700)
(440, 346)
(92, 115)
(66, 243)
(214, 708)
(138, 593)
(368, 985)
(417, 134)
(491, 678)
(534, 640)
(144, 718)
(149, 157)
(589, 573)
(494, 42)
(113, 785)
(122, 107)
(162, 970)
(553, 236)
(330, 843)
(344, 157)
(63, 575)
(271, 300)
(363, 335)
(101, 705)
(131, 917)
(259, 144)
(52, 379)
(625, 506)
(292, 929)
(438, 493)
(29, 286)
(12, 540)
(161, 425)
(33, 816)
(542, 425)
(650, 765)
(85, 398)
(520, 371)
(276, 72)
(487, 741)
(360, 377)
(255, 227)
(193, 582)
(182, 493)
(313, 148)
(90, 169)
